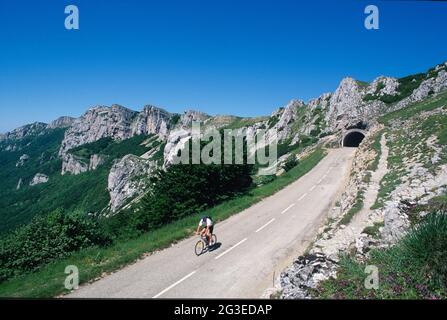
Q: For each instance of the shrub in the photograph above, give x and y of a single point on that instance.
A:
(174, 119)
(47, 238)
(273, 121)
(290, 163)
(185, 189)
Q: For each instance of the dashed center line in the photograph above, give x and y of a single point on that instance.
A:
(225, 252)
(302, 197)
(284, 211)
(173, 285)
(322, 178)
(313, 187)
(265, 225)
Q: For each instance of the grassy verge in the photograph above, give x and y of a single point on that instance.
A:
(412, 269)
(408, 143)
(389, 182)
(415, 108)
(356, 207)
(94, 262)
(378, 149)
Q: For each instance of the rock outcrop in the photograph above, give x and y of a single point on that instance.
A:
(189, 116)
(152, 120)
(61, 122)
(72, 164)
(427, 87)
(116, 122)
(99, 122)
(95, 161)
(23, 158)
(304, 274)
(128, 179)
(286, 117)
(19, 184)
(25, 131)
(38, 179)
(175, 142)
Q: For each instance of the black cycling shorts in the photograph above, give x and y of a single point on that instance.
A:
(211, 228)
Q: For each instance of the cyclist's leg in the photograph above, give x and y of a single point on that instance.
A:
(210, 235)
(204, 236)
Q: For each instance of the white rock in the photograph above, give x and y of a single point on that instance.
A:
(127, 179)
(38, 179)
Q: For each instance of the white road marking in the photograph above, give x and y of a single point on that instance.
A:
(322, 178)
(302, 197)
(327, 172)
(225, 252)
(313, 187)
(284, 211)
(173, 285)
(265, 225)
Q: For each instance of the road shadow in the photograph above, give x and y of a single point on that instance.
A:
(215, 246)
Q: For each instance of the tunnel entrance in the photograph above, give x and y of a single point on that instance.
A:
(353, 138)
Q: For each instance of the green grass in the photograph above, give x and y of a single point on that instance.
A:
(373, 230)
(378, 150)
(412, 269)
(272, 121)
(240, 122)
(367, 178)
(356, 207)
(409, 140)
(86, 191)
(389, 182)
(406, 87)
(93, 262)
(415, 108)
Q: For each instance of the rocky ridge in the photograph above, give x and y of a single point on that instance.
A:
(420, 176)
(353, 104)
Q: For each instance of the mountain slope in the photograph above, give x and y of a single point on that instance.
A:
(83, 151)
(101, 163)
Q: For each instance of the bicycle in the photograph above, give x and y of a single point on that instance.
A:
(202, 245)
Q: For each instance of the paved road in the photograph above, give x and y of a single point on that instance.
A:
(255, 245)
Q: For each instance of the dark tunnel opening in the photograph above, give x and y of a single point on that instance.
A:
(353, 139)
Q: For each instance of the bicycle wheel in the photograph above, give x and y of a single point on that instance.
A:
(213, 236)
(200, 246)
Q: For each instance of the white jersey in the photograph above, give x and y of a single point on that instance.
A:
(209, 222)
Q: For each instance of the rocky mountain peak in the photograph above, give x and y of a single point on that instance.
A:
(24, 131)
(99, 122)
(192, 115)
(345, 103)
(152, 120)
(383, 86)
(61, 122)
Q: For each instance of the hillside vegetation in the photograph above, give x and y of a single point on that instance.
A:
(415, 266)
(94, 261)
(86, 192)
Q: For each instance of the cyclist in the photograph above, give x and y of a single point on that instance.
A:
(208, 226)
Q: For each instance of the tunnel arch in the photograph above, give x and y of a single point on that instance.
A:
(352, 138)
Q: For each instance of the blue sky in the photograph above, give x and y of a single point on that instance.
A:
(222, 57)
